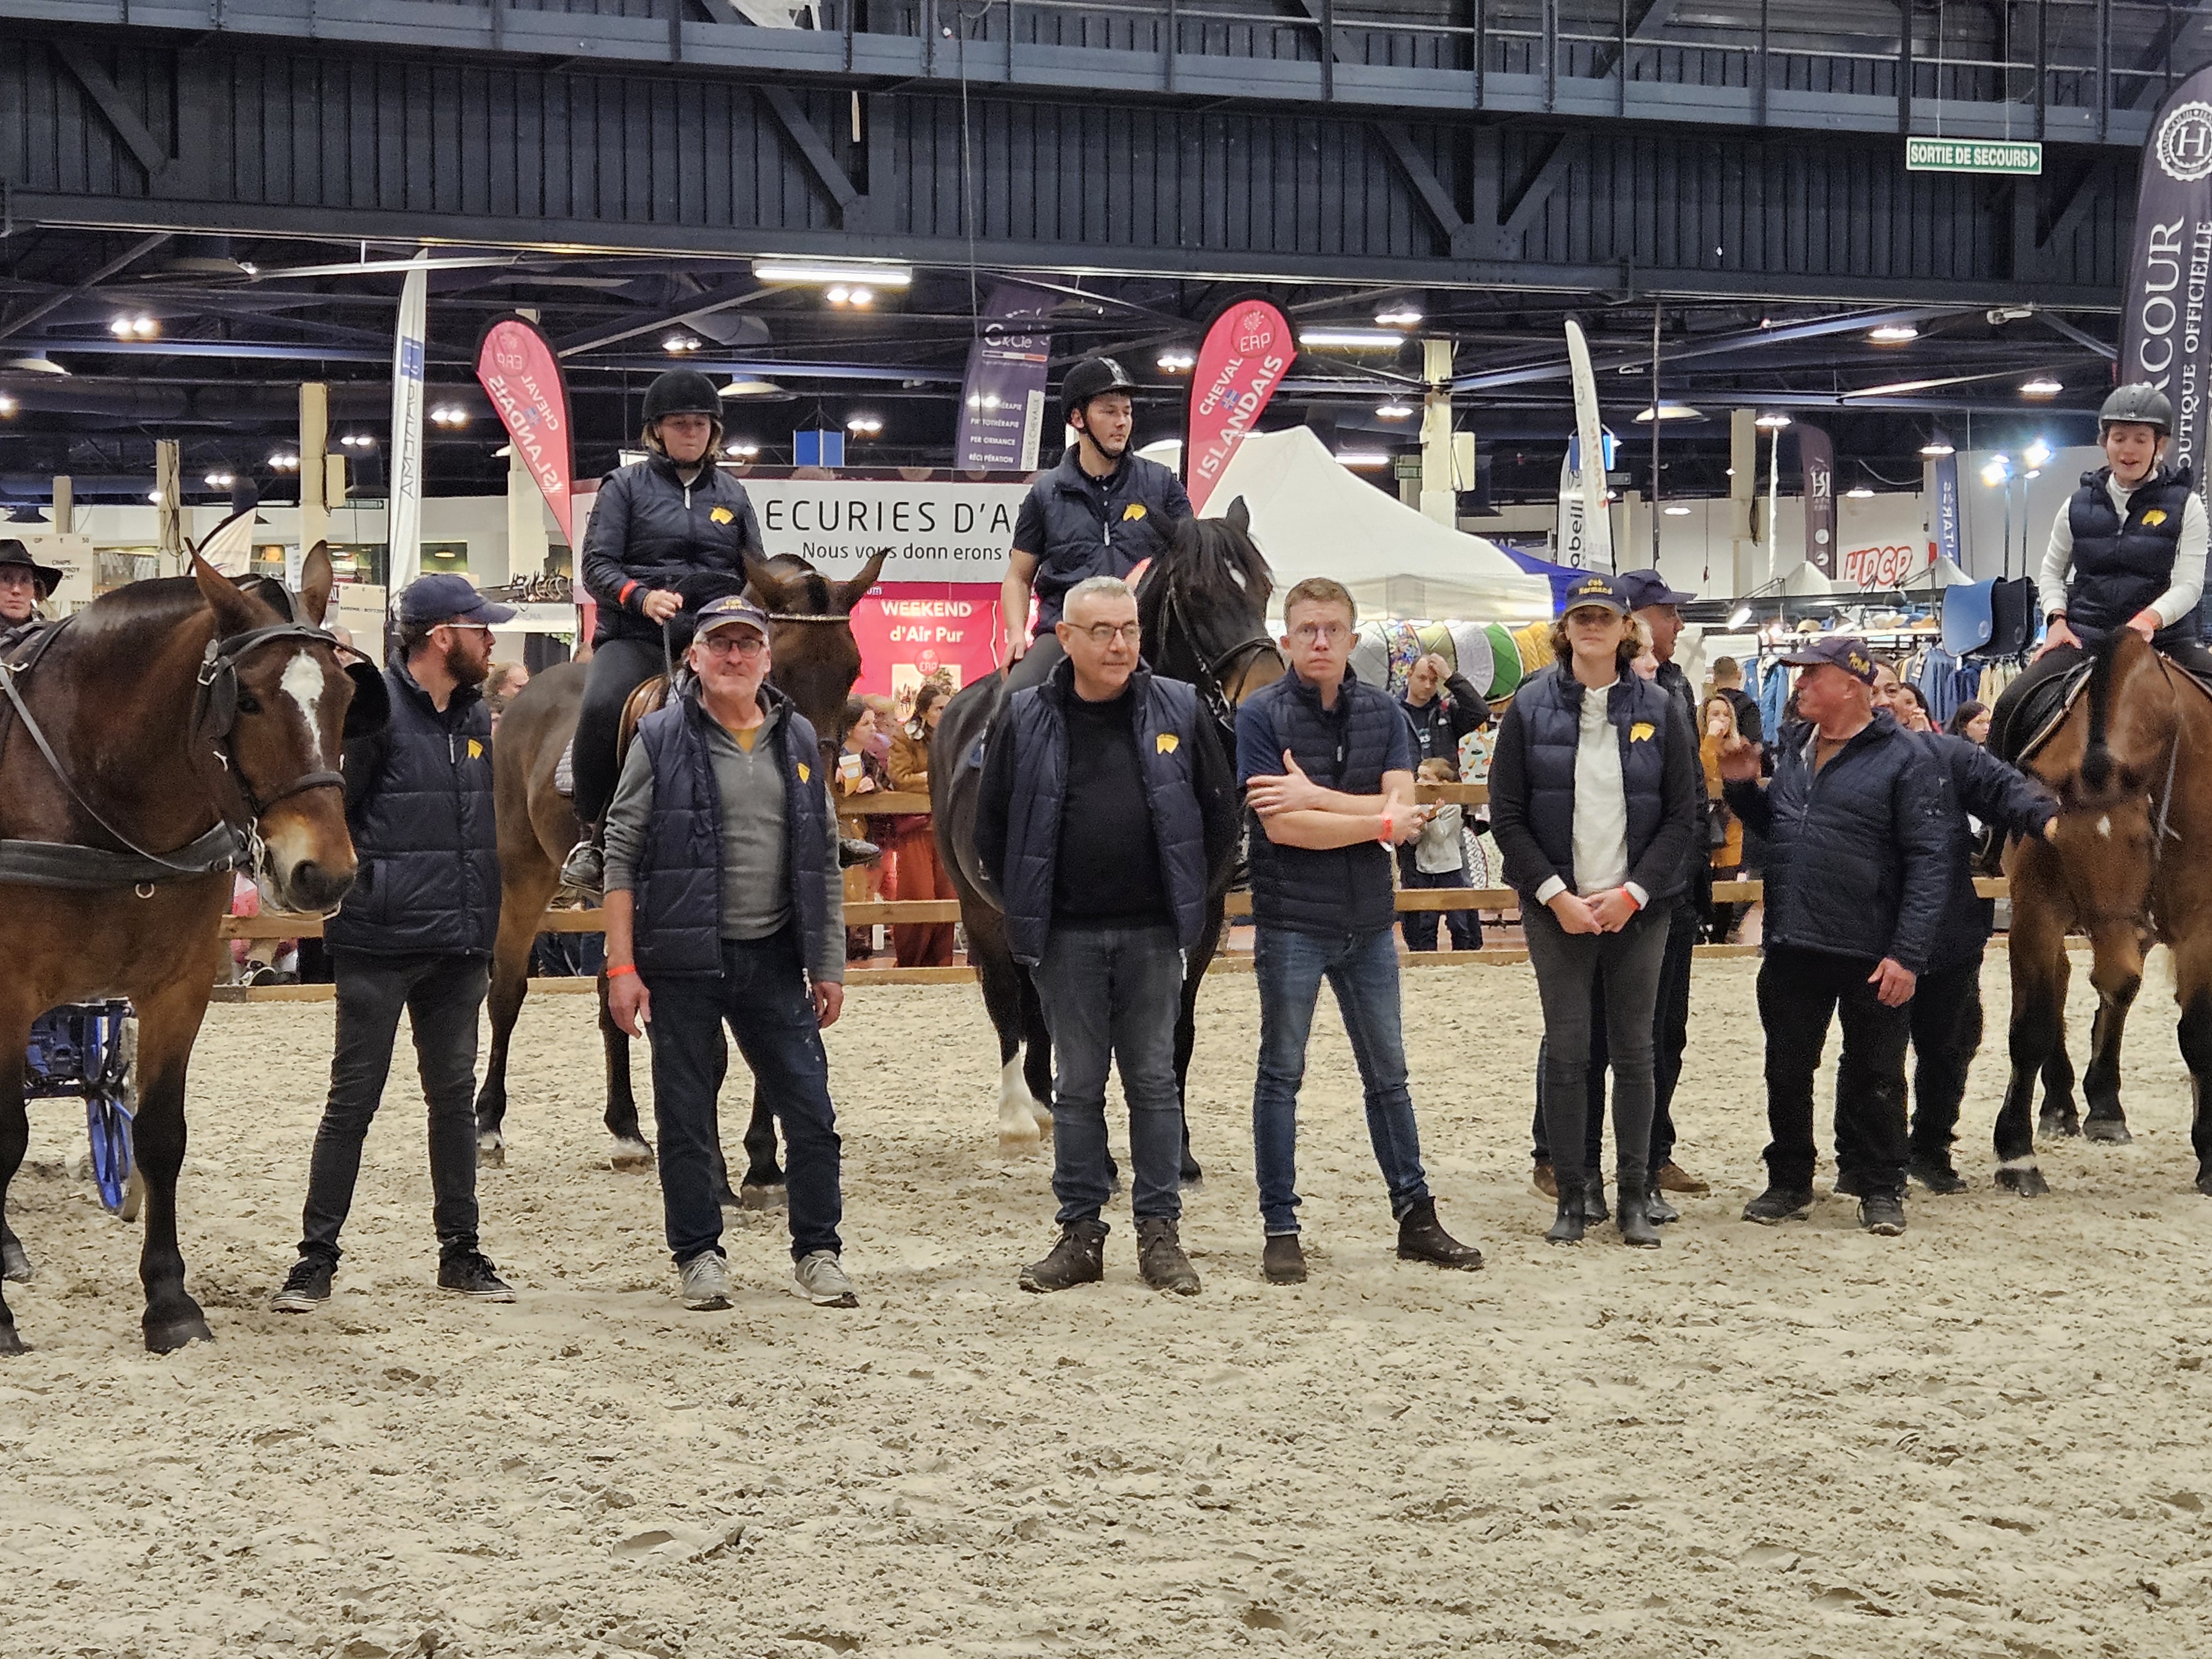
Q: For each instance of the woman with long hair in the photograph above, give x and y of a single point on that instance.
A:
(1593, 798)
(1971, 722)
(916, 873)
(1725, 830)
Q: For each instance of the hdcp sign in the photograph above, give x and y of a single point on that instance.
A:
(937, 531)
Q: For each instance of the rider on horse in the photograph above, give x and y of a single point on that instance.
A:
(2127, 551)
(1102, 512)
(24, 582)
(664, 532)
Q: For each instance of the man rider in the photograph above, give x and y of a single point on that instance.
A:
(657, 525)
(1102, 512)
(2127, 551)
(24, 584)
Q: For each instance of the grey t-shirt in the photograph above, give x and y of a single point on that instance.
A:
(755, 859)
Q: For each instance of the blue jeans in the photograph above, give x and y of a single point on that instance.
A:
(763, 994)
(1362, 969)
(1114, 994)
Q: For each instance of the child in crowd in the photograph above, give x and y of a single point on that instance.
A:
(1439, 860)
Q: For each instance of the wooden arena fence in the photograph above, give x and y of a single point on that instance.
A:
(1499, 900)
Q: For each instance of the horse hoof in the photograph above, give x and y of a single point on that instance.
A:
(630, 1155)
(1019, 1129)
(15, 1263)
(177, 1334)
(2111, 1131)
(11, 1343)
(1192, 1175)
(2204, 1182)
(491, 1153)
(2028, 1182)
(2052, 1125)
(764, 1195)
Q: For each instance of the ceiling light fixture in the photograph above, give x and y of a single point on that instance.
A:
(284, 461)
(1677, 511)
(1859, 492)
(358, 441)
(1893, 334)
(2041, 387)
(752, 389)
(1937, 447)
(1363, 459)
(7, 405)
(1669, 412)
(1351, 339)
(39, 363)
(1398, 316)
(863, 426)
(1393, 410)
(449, 415)
(1772, 422)
(1738, 617)
(742, 450)
(141, 327)
(1998, 470)
(2037, 454)
(832, 272)
(677, 345)
(1177, 360)
(220, 481)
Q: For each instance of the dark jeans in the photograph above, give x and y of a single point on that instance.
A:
(617, 668)
(763, 994)
(1946, 1018)
(1114, 994)
(1670, 1036)
(1465, 925)
(1362, 969)
(1569, 966)
(442, 995)
(1799, 993)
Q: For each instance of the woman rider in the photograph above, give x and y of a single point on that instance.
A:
(670, 525)
(2127, 551)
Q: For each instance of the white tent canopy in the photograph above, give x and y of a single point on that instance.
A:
(1312, 518)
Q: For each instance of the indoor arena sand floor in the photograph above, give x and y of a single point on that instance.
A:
(1987, 1438)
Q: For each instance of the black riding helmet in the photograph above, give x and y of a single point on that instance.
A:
(1094, 377)
(682, 391)
(2139, 403)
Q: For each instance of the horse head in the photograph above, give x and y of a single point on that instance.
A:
(276, 704)
(813, 659)
(1203, 606)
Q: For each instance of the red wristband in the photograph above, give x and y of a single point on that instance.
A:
(628, 588)
(1385, 837)
(626, 967)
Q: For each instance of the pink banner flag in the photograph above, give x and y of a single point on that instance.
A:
(1247, 352)
(516, 367)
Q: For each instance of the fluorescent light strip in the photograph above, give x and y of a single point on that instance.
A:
(807, 271)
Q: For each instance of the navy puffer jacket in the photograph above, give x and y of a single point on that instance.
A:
(1974, 781)
(1858, 857)
(650, 530)
(1077, 527)
(419, 806)
(1531, 782)
(2121, 569)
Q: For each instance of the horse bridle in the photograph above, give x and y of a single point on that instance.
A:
(1214, 683)
(216, 711)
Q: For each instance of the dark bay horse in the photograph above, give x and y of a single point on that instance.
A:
(187, 720)
(2131, 762)
(1203, 608)
(814, 662)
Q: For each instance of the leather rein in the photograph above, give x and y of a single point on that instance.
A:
(1215, 681)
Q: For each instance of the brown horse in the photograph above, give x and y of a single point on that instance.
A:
(184, 722)
(2131, 762)
(816, 662)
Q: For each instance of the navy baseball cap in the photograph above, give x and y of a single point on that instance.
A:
(443, 598)
(1845, 651)
(1597, 589)
(732, 609)
(1643, 587)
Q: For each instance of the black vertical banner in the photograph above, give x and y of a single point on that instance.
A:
(1816, 457)
(2165, 334)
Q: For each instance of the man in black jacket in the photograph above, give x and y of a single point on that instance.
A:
(415, 933)
(1444, 707)
(1856, 884)
(1105, 803)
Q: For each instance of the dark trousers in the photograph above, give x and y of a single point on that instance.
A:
(1569, 967)
(617, 668)
(1946, 1012)
(1800, 992)
(763, 995)
(1465, 925)
(441, 995)
(1670, 1035)
(1109, 994)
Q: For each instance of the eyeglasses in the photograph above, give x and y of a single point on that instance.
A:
(1107, 633)
(1323, 633)
(743, 645)
(469, 628)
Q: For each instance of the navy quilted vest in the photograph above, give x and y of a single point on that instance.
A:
(1547, 714)
(1336, 890)
(2121, 568)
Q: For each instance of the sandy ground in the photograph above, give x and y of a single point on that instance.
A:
(1986, 1438)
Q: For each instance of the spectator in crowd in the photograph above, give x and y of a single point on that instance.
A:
(1856, 882)
(1907, 705)
(1945, 1011)
(1594, 795)
(415, 933)
(1438, 859)
(503, 685)
(1105, 801)
(861, 773)
(1728, 682)
(1656, 608)
(1724, 829)
(1970, 720)
(1327, 764)
(25, 585)
(1444, 707)
(915, 867)
(724, 905)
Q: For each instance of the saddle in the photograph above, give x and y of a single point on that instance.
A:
(650, 695)
(2029, 725)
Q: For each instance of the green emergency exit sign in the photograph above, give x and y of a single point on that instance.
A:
(1971, 155)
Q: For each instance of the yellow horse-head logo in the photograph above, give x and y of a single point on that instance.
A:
(1642, 731)
(1167, 742)
(2157, 515)
(721, 515)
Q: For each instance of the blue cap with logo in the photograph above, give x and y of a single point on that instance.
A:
(1643, 587)
(1845, 651)
(1597, 589)
(444, 598)
(732, 609)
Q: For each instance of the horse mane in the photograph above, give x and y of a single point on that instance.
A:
(795, 576)
(159, 601)
(2096, 767)
(1213, 563)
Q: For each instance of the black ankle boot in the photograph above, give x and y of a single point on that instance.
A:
(1635, 1225)
(1567, 1229)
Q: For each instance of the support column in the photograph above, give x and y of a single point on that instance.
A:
(168, 503)
(1439, 482)
(1743, 489)
(314, 435)
(64, 504)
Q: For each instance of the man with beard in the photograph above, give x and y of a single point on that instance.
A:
(415, 933)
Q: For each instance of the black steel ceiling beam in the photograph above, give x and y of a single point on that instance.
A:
(48, 306)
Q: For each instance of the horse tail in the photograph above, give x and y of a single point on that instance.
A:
(2097, 756)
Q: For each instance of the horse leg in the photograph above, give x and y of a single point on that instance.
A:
(2036, 950)
(2116, 972)
(14, 1141)
(762, 1187)
(631, 1149)
(510, 983)
(1004, 987)
(1187, 1031)
(168, 1024)
(2059, 1115)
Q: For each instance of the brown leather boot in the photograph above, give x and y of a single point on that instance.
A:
(1079, 1258)
(1422, 1238)
(1160, 1258)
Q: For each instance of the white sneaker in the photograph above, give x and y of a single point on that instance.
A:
(705, 1283)
(822, 1281)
